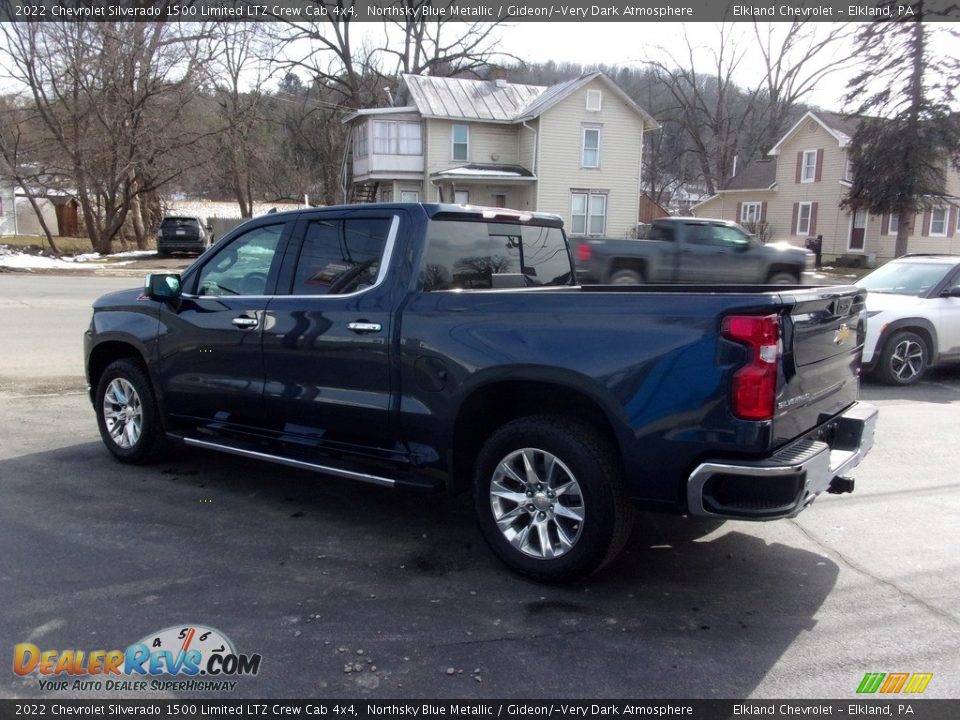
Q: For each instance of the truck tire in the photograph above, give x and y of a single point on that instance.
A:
(548, 492)
(782, 278)
(904, 359)
(127, 414)
(626, 277)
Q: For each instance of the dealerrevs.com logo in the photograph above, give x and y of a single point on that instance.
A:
(197, 656)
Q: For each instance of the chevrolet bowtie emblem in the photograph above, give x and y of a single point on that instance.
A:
(843, 332)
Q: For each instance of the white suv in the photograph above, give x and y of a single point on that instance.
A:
(913, 306)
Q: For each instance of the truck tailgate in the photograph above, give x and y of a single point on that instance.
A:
(823, 332)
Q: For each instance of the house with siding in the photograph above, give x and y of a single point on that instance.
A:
(573, 149)
(797, 191)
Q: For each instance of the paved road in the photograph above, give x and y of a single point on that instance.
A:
(308, 571)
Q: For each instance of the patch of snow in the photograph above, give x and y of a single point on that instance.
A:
(480, 172)
(27, 261)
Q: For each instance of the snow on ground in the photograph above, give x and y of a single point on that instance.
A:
(18, 260)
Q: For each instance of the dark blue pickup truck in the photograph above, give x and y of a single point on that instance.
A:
(443, 347)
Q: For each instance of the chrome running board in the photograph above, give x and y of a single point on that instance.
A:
(290, 462)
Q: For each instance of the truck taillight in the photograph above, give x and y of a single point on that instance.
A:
(755, 384)
(584, 252)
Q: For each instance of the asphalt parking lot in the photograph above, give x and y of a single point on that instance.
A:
(349, 590)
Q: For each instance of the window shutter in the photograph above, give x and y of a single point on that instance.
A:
(951, 221)
(819, 171)
(912, 224)
(813, 220)
(885, 224)
(796, 215)
(763, 211)
(799, 165)
(739, 211)
(926, 223)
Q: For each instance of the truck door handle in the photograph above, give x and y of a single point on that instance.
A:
(245, 322)
(362, 326)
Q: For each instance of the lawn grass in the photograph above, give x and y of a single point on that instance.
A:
(66, 245)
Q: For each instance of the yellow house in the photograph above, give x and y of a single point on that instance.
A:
(573, 149)
(797, 192)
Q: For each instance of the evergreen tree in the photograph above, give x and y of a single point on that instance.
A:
(908, 133)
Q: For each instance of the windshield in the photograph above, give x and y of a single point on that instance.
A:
(904, 278)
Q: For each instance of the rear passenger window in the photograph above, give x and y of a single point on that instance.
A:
(489, 255)
(340, 256)
(661, 232)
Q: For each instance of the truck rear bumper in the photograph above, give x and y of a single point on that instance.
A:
(789, 480)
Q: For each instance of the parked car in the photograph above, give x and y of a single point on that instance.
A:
(443, 347)
(182, 233)
(913, 308)
(690, 250)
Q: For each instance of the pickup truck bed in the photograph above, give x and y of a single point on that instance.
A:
(433, 346)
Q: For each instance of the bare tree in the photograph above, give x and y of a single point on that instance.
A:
(442, 45)
(241, 67)
(797, 58)
(20, 159)
(111, 97)
(712, 108)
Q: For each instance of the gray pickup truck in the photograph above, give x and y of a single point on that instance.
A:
(690, 250)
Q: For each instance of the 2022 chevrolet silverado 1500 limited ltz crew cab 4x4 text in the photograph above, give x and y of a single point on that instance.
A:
(448, 347)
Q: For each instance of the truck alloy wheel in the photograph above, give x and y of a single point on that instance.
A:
(536, 503)
(549, 497)
(122, 413)
(127, 413)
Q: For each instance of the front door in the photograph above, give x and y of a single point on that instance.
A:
(211, 362)
(858, 230)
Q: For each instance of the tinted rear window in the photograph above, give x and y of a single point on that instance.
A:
(486, 255)
(661, 232)
(180, 222)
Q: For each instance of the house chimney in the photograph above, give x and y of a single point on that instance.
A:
(389, 96)
(734, 173)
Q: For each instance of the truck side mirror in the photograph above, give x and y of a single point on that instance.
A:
(162, 286)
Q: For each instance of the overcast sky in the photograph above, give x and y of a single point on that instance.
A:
(617, 43)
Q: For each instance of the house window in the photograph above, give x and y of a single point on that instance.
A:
(808, 171)
(588, 213)
(461, 142)
(803, 218)
(594, 99)
(461, 197)
(893, 224)
(500, 200)
(409, 196)
(847, 169)
(590, 157)
(386, 195)
(938, 222)
(360, 142)
(751, 212)
(397, 138)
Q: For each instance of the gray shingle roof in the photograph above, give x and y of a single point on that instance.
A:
(457, 98)
(841, 124)
(756, 175)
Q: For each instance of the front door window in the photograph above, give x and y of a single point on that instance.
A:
(858, 230)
